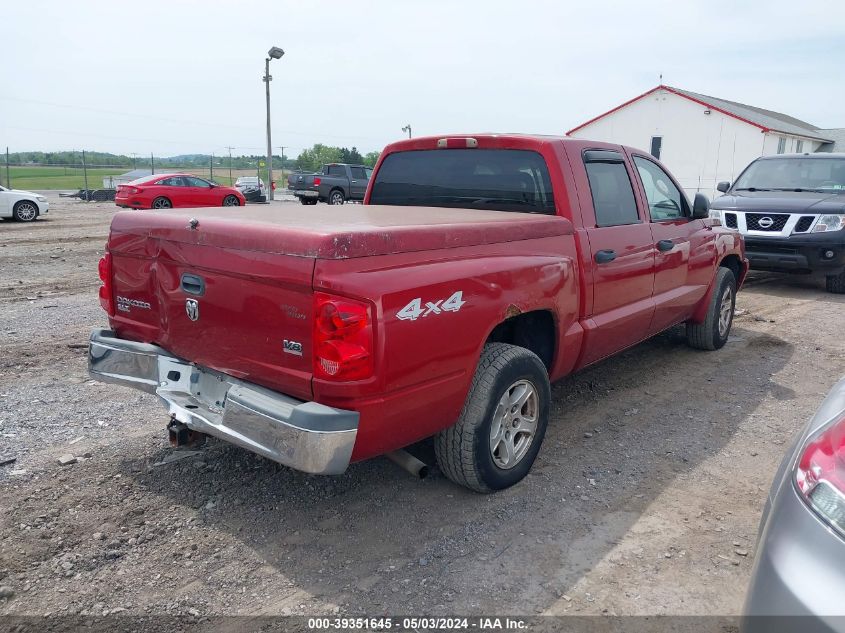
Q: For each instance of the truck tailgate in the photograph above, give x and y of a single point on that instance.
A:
(245, 303)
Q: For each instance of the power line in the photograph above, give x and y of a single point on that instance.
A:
(183, 121)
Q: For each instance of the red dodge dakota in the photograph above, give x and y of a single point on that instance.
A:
(479, 269)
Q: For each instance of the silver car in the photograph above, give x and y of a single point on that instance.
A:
(799, 569)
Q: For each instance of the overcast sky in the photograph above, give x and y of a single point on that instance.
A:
(184, 76)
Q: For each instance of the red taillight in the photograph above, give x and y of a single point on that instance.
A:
(343, 338)
(106, 294)
(820, 474)
(317, 182)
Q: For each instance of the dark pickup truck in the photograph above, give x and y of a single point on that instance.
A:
(791, 210)
(334, 183)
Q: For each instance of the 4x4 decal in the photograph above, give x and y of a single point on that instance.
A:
(414, 310)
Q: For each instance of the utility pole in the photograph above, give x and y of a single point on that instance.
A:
(274, 53)
(407, 128)
(152, 163)
(8, 181)
(211, 167)
(134, 155)
(85, 175)
(230, 148)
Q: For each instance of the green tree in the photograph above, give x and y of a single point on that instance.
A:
(319, 154)
(371, 158)
(351, 156)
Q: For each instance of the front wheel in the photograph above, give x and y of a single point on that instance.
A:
(162, 203)
(231, 201)
(337, 197)
(501, 427)
(713, 332)
(835, 283)
(25, 211)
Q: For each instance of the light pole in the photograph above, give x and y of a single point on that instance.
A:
(273, 53)
(407, 128)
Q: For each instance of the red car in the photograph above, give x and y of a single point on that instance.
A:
(164, 191)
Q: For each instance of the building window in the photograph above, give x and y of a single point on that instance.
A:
(656, 144)
(799, 145)
(781, 145)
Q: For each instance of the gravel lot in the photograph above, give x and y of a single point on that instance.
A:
(645, 498)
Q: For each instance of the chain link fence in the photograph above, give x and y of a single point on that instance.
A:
(77, 175)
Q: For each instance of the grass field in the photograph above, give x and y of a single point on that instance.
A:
(45, 178)
(56, 177)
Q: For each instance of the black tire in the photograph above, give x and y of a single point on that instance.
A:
(713, 332)
(835, 283)
(464, 451)
(25, 211)
(231, 201)
(161, 203)
(336, 197)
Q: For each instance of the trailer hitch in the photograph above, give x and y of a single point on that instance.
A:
(181, 435)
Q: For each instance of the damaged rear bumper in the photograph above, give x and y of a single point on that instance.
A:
(307, 436)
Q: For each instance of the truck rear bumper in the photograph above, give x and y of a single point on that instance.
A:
(306, 436)
(306, 193)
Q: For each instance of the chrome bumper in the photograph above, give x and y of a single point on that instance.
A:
(307, 436)
(306, 193)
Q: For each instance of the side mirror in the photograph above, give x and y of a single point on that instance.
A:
(700, 207)
(723, 186)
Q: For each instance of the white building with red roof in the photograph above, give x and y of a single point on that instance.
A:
(704, 140)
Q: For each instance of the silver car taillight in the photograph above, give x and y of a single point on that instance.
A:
(820, 473)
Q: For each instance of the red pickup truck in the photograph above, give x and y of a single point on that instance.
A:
(479, 269)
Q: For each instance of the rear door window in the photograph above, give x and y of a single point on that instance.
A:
(336, 170)
(175, 181)
(610, 186)
(358, 173)
(496, 179)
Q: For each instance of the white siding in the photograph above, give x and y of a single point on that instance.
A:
(699, 149)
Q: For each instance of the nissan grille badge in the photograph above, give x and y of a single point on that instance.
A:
(192, 307)
(765, 222)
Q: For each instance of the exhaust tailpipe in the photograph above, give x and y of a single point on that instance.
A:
(410, 463)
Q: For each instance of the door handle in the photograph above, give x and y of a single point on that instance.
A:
(602, 257)
(665, 245)
(193, 284)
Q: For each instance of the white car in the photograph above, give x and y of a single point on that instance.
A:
(23, 206)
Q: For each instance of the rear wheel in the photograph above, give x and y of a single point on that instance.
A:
(162, 203)
(836, 283)
(713, 332)
(337, 197)
(501, 427)
(231, 201)
(25, 211)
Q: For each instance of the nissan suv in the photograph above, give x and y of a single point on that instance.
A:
(791, 210)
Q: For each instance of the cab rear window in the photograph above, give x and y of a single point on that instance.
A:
(495, 179)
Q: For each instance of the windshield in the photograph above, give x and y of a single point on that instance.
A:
(497, 179)
(793, 174)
